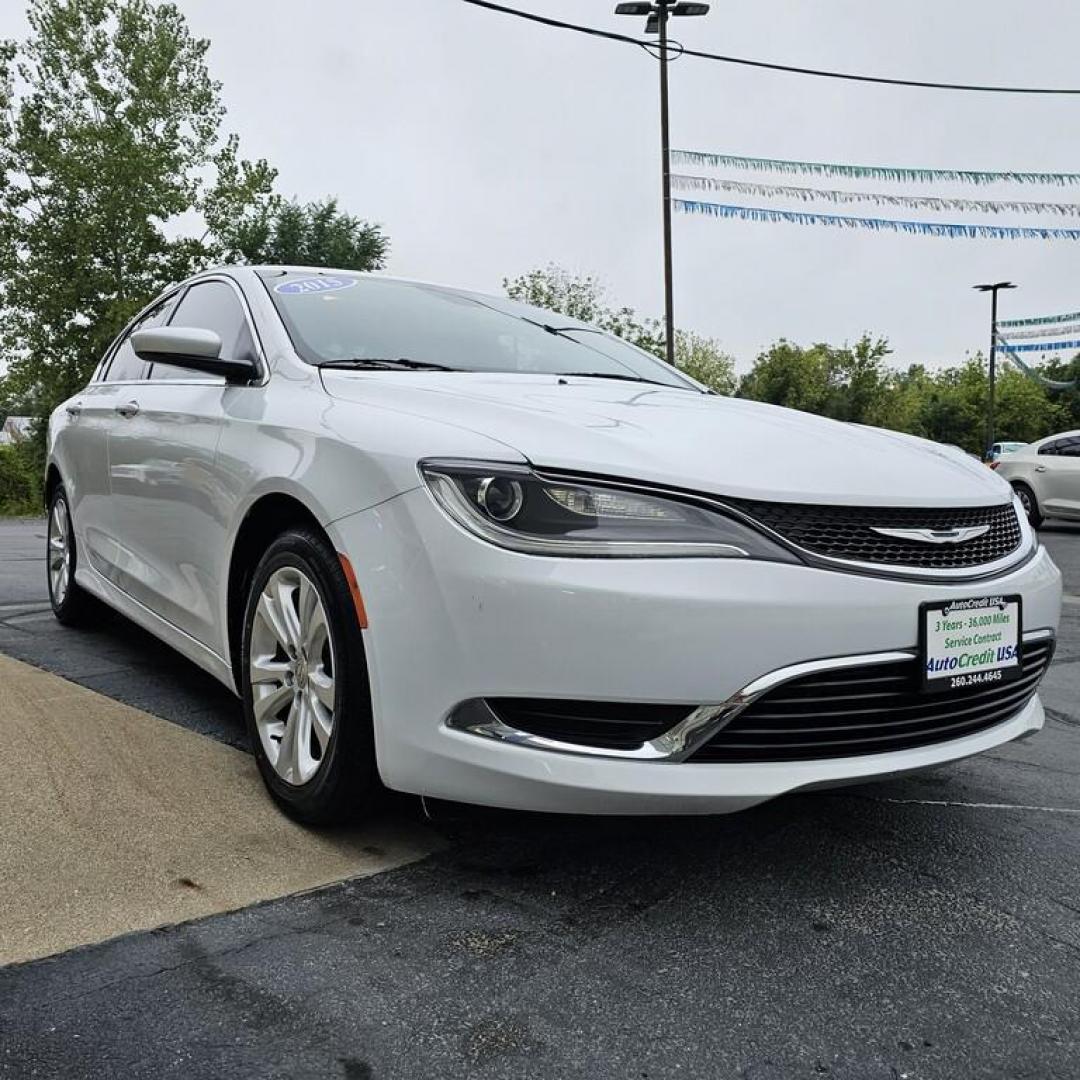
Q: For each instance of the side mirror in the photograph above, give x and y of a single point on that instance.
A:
(189, 347)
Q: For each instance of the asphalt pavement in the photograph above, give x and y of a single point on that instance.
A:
(920, 928)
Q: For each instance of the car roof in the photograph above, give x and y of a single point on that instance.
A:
(266, 269)
(261, 271)
(1036, 443)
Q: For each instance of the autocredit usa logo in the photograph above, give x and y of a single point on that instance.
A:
(321, 284)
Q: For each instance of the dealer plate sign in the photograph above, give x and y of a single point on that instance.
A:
(970, 643)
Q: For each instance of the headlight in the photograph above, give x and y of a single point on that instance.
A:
(513, 507)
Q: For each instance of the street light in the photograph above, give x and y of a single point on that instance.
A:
(657, 14)
(992, 289)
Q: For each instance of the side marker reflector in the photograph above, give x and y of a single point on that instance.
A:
(354, 588)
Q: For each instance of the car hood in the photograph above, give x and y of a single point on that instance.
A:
(682, 439)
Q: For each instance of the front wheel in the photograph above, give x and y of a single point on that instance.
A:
(1029, 503)
(306, 698)
(70, 603)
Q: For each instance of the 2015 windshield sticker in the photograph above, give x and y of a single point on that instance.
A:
(302, 286)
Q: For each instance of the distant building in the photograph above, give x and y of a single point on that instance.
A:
(15, 429)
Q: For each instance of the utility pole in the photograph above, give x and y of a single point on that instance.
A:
(658, 12)
(993, 290)
(665, 187)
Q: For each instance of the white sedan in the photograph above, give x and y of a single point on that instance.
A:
(1046, 477)
(455, 545)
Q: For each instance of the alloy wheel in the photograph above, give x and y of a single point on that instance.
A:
(1025, 501)
(59, 548)
(291, 666)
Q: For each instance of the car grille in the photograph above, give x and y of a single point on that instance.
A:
(872, 709)
(845, 532)
(603, 724)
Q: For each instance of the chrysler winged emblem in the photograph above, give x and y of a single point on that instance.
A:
(935, 536)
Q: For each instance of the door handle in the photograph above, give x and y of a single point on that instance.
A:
(1040, 468)
(127, 410)
(73, 408)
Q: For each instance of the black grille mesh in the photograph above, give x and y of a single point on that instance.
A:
(844, 532)
(868, 710)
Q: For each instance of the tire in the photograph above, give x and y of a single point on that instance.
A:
(307, 702)
(71, 604)
(1031, 504)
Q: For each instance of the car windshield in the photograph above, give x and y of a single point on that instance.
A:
(405, 326)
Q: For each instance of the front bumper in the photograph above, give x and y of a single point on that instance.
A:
(453, 618)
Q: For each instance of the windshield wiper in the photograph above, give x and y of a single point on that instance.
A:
(382, 363)
(557, 331)
(614, 375)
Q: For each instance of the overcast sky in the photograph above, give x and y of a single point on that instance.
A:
(487, 146)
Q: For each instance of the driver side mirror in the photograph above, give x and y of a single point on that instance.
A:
(189, 347)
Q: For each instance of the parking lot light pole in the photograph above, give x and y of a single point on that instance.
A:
(657, 13)
(993, 290)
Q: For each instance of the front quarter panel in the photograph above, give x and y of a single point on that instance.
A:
(336, 457)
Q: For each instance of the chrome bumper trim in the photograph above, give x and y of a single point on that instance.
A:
(692, 732)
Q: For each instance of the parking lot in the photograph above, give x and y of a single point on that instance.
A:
(923, 928)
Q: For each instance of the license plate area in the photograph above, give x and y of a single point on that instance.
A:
(970, 644)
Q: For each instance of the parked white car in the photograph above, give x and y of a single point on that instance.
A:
(1046, 477)
(480, 551)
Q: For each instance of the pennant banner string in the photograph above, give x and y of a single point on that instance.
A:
(840, 221)
(876, 172)
(916, 202)
(1040, 346)
(1064, 330)
(1041, 320)
(1031, 373)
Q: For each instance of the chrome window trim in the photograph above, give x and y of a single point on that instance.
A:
(475, 716)
(176, 293)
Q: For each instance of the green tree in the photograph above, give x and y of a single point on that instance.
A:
(954, 407)
(1067, 400)
(110, 132)
(788, 375)
(950, 405)
(903, 398)
(302, 234)
(852, 383)
(585, 299)
(1024, 410)
(859, 381)
(702, 359)
(556, 289)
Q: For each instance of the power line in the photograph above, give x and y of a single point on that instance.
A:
(881, 80)
(558, 23)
